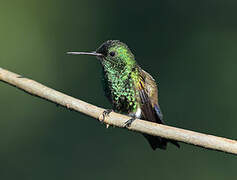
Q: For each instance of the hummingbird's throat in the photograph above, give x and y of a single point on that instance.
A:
(113, 67)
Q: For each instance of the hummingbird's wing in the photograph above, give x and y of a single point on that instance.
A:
(148, 95)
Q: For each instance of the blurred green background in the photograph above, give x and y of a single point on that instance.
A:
(189, 47)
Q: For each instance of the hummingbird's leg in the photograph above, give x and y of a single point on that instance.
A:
(129, 122)
(106, 113)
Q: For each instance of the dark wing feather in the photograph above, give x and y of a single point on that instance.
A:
(146, 107)
(151, 112)
(159, 114)
(148, 113)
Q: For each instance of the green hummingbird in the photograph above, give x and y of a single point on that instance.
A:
(130, 89)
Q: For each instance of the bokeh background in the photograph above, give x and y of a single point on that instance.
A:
(189, 47)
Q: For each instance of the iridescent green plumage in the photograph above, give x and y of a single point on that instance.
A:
(118, 73)
(130, 89)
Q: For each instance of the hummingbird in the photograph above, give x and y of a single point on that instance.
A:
(130, 89)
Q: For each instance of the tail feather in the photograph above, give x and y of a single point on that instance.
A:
(173, 142)
(158, 142)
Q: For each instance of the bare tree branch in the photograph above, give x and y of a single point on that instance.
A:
(115, 119)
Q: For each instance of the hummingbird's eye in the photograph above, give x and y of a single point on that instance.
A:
(112, 53)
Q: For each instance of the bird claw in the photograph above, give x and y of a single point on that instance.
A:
(129, 122)
(106, 113)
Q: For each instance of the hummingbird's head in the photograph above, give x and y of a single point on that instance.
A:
(116, 52)
(112, 52)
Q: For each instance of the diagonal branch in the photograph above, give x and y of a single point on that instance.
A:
(115, 119)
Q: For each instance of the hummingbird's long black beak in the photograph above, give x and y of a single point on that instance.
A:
(86, 53)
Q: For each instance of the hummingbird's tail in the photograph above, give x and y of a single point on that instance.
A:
(158, 142)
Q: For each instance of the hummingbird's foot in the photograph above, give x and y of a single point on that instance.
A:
(129, 122)
(106, 113)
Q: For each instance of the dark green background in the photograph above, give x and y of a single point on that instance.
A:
(189, 47)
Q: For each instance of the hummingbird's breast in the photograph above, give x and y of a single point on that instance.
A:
(120, 90)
